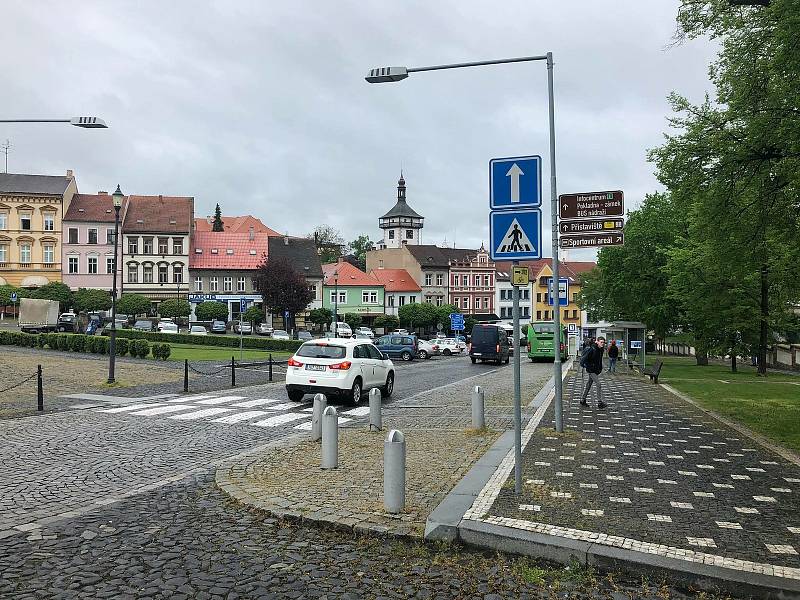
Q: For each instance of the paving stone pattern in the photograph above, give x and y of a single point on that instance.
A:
(654, 473)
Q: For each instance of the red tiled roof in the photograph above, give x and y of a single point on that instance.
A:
(246, 253)
(571, 269)
(396, 280)
(235, 225)
(348, 275)
(93, 208)
(159, 214)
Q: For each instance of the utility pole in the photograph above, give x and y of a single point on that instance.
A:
(5, 148)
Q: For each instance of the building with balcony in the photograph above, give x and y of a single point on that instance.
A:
(31, 211)
(472, 284)
(88, 242)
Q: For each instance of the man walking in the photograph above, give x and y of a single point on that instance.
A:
(613, 354)
(593, 363)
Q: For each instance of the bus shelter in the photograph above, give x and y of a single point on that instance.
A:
(630, 336)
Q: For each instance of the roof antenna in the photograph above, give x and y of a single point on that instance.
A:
(5, 148)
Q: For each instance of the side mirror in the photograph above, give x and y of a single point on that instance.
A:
(385, 356)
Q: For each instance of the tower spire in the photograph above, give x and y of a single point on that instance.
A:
(401, 188)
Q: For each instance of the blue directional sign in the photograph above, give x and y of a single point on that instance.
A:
(563, 291)
(13, 296)
(515, 235)
(242, 305)
(456, 321)
(515, 182)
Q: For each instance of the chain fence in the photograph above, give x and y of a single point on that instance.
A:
(16, 385)
(273, 367)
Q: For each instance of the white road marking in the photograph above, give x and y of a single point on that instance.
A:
(254, 403)
(199, 414)
(189, 398)
(221, 400)
(361, 411)
(284, 406)
(280, 419)
(242, 416)
(129, 407)
(163, 410)
(307, 426)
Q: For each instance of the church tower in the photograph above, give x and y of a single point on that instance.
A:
(401, 225)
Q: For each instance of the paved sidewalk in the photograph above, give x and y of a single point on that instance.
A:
(657, 476)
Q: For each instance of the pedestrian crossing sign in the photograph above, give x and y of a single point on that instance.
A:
(515, 235)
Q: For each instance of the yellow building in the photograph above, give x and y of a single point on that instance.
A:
(31, 210)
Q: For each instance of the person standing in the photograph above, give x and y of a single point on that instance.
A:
(613, 354)
(593, 363)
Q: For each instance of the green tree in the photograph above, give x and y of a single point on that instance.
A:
(211, 311)
(321, 317)
(87, 300)
(217, 224)
(253, 314)
(174, 308)
(353, 319)
(7, 290)
(443, 313)
(55, 290)
(359, 248)
(387, 322)
(283, 288)
(329, 241)
(133, 304)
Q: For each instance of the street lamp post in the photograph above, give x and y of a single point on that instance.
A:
(392, 74)
(336, 304)
(112, 346)
(85, 122)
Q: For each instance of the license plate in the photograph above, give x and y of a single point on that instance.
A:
(476, 354)
(315, 367)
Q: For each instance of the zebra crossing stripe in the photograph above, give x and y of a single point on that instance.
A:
(284, 406)
(242, 416)
(280, 419)
(221, 400)
(162, 410)
(207, 412)
(307, 426)
(189, 399)
(254, 403)
(361, 411)
(120, 409)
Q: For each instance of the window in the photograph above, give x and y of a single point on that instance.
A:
(526, 312)
(147, 244)
(109, 265)
(198, 284)
(465, 303)
(574, 314)
(439, 279)
(49, 221)
(428, 278)
(477, 280)
(391, 234)
(92, 236)
(538, 297)
(92, 265)
(526, 294)
(477, 303)
(439, 300)
(574, 297)
(401, 301)
(502, 294)
(163, 246)
(487, 280)
(465, 280)
(457, 302)
(163, 273)
(369, 297)
(48, 251)
(538, 315)
(409, 234)
(240, 284)
(147, 274)
(72, 265)
(110, 237)
(213, 284)
(342, 297)
(3, 220)
(133, 274)
(227, 284)
(25, 221)
(486, 303)
(133, 245)
(177, 273)
(390, 300)
(177, 246)
(412, 299)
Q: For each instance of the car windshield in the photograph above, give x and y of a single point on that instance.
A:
(482, 333)
(143, 323)
(198, 328)
(543, 328)
(322, 351)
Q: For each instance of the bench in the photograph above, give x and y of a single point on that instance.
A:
(653, 371)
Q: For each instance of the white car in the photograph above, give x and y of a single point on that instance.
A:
(365, 331)
(426, 349)
(342, 329)
(280, 334)
(198, 330)
(345, 367)
(450, 346)
(167, 327)
(264, 329)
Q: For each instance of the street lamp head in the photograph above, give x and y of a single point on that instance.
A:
(88, 122)
(386, 74)
(117, 196)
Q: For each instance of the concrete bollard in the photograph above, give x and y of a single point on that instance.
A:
(394, 472)
(478, 403)
(330, 438)
(320, 403)
(375, 418)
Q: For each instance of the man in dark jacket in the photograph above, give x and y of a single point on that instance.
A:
(593, 362)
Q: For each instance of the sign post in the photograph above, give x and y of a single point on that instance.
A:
(242, 308)
(14, 302)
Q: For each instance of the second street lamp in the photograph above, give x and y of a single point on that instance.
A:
(117, 197)
(84, 122)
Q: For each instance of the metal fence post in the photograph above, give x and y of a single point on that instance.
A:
(39, 390)
(375, 418)
(394, 472)
(186, 375)
(320, 403)
(233, 372)
(270, 367)
(330, 438)
(478, 403)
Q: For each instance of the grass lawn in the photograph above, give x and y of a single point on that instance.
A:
(768, 405)
(184, 351)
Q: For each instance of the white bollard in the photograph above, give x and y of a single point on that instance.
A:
(330, 438)
(375, 418)
(478, 402)
(394, 472)
(320, 402)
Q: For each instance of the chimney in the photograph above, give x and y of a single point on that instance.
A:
(286, 240)
(102, 193)
(252, 233)
(209, 219)
(69, 174)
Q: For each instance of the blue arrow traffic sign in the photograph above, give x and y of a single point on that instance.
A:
(456, 321)
(515, 235)
(515, 182)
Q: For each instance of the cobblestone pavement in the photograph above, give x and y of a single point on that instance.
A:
(190, 541)
(655, 474)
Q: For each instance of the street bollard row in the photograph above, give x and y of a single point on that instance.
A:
(478, 403)
(375, 405)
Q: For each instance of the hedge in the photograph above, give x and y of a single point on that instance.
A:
(212, 340)
(96, 344)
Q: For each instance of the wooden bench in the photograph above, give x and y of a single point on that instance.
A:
(653, 371)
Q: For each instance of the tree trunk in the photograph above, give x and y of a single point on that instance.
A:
(762, 341)
(701, 357)
(733, 361)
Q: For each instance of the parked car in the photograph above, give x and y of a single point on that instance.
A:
(489, 342)
(242, 327)
(358, 335)
(198, 330)
(304, 336)
(345, 367)
(67, 322)
(264, 329)
(401, 331)
(218, 327)
(167, 327)
(342, 329)
(365, 331)
(451, 346)
(143, 325)
(280, 334)
(426, 349)
(401, 346)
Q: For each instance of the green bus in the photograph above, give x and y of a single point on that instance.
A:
(540, 341)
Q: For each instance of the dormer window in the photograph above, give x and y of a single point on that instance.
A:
(214, 251)
(252, 252)
(198, 250)
(229, 251)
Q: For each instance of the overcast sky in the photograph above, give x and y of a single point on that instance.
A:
(263, 107)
